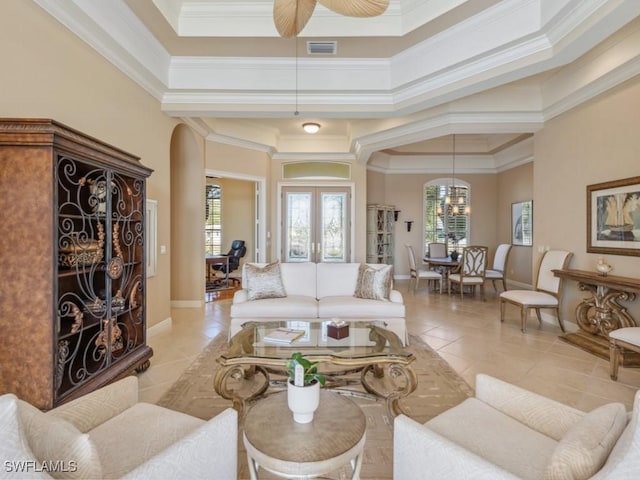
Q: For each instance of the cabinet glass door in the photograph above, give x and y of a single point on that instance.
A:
(316, 224)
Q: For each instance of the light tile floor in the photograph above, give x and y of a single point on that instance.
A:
(467, 333)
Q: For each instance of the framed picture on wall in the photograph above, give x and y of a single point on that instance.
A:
(613, 217)
(522, 223)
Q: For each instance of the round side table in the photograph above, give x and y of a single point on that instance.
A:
(275, 442)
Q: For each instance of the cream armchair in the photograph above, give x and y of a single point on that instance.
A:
(506, 432)
(109, 434)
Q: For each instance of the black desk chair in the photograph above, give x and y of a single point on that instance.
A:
(235, 253)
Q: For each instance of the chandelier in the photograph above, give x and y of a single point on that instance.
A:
(456, 198)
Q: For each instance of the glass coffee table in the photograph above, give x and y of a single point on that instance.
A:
(368, 350)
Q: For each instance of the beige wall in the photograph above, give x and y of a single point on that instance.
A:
(238, 163)
(48, 72)
(187, 218)
(515, 185)
(594, 143)
(405, 193)
(238, 213)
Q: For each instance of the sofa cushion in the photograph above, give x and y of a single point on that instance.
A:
(14, 447)
(509, 444)
(299, 278)
(264, 282)
(123, 445)
(61, 449)
(352, 307)
(293, 306)
(336, 279)
(585, 447)
(373, 283)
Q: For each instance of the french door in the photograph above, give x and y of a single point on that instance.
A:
(316, 224)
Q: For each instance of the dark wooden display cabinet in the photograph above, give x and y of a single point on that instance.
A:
(72, 237)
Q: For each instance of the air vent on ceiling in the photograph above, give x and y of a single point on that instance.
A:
(322, 48)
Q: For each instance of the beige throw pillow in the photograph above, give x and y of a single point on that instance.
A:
(373, 283)
(584, 449)
(264, 282)
(61, 449)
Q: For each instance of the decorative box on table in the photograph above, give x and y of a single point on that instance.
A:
(338, 329)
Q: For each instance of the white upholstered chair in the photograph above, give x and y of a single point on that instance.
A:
(417, 274)
(109, 434)
(499, 269)
(547, 291)
(471, 271)
(506, 432)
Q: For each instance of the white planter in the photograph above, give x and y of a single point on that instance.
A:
(303, 401)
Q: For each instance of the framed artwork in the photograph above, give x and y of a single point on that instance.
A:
(613, 217)
(522, 223)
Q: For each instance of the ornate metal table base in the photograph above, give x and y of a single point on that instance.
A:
(601, 313)
(244, 376)
(380, 378)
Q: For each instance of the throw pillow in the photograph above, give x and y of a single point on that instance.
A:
(373, 283)
(584, 449)
(62, 451)
(264, 282)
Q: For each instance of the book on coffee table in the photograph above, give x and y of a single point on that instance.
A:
(283, 335)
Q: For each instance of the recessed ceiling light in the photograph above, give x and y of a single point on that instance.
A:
(311, 127)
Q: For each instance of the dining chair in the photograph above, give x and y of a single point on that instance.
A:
(471, 271)
(547, 291)
(417, 274)
(499, 269)
(437, 250)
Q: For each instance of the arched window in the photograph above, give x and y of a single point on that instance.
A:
(447, 215)
(213, 220)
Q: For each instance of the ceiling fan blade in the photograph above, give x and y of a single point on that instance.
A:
(291, 16)
(357, 8)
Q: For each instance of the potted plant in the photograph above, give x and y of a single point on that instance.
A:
(303, 387)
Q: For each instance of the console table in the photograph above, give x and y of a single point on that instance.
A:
(601, 313)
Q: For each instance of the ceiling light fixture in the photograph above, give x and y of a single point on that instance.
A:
(455, 199)
(311, 127)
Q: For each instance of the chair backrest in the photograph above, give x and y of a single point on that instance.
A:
(412, 259)
(501, 257)
(552, 260)
(237, 251)
(474, 261)
(437, 250)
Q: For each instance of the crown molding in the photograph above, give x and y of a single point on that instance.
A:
(233, 18)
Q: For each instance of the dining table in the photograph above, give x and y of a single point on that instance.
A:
(444, 264)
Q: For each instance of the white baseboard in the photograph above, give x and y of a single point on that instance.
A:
(160, 327)
(186, 303)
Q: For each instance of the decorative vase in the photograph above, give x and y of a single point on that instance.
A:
(603, 267)
(454, 255)
(303, 401)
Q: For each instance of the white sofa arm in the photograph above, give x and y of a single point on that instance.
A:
(540, 413)
(97, 407)
(395, 296)
(210, 451)
(420, 453)
(241, 296)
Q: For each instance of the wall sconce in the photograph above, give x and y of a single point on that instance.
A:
(409, 225)
(396, 213)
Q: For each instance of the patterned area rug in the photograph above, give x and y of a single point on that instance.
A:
(439, 388)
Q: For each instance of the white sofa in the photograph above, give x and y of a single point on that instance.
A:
(319, 291)
(506, 432)
(109, 434)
